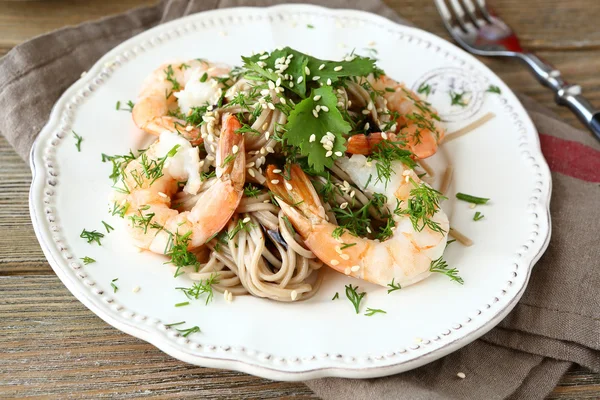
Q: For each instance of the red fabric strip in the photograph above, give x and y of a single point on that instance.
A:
(571, 158)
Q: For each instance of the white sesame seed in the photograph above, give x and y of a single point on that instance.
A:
(345, 257)
(407, 179)
(340, 104)
(339, 153)
(213, 148)
(136, 289)
(369, 230)
(246, 220)
(338, 249)
(251, 173)
(265, 92)
(325, 108)
(315, 113)
(294, 295)
(271, 106)
(282, 100)
(210, 158)
(270, 149)
(338, 68)
(365, 112)
(344, 205)
(370, 106)
(349, 103)
(334, 262)
(300, 79)
(278, 82)
(312, 138)
(250, 164)
(328, 154)
(317, 97)
(307, 70)
(352, 193)
(189, 128)
(275, 181)
(472, 206)
(367, 126)
(328, 82)
(384, 135)
(347, 271)
(318, 107)
(288, 186)
(264, 106)
(292, 84)
(271, 85)
(316, 78)
(349, 58)
(461, 375)
(276, 171)
(261, 64)
(235, 149)
(321, 67)
(267, 135)
(264, 57)
(355, 268)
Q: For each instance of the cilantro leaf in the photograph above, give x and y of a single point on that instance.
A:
(297, 68)
(302, 124)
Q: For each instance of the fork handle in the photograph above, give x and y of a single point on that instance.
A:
(565, 94)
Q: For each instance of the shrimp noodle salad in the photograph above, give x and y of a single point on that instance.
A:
(264, 175)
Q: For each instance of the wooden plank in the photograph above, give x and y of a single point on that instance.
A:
(53, 346)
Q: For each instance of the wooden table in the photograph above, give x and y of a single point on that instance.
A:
(51, 344)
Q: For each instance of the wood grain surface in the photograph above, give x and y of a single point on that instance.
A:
(52, 346)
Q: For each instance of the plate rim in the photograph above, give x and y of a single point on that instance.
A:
(170, 346)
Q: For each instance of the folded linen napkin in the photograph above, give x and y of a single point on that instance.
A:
(556, 323)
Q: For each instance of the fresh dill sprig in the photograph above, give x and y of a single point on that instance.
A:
(354, 297)
(182, 304)
(346, 245)
(107, 227)
(142, 221)
(175, 323)
(372, 311)
(119, 210)
(393, 286)
(169, 76)
(92, 236)
(88, 260)
(456, 99)
(336, 296)
(387, 152)
(241, 226)
(423, 203)
(112, 284)
(188, 331)
(493, 89)
(200, 288)
(78, 139)
(424, 88)
(251, 190)
(441, 266)
(130, 104)
(178, 251)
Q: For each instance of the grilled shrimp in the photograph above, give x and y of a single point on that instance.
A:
(152, 222)
(418, 124)
(184, 85)
(405, 258)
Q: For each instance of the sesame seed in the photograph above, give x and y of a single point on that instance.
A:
(271, 106)
(271, 85)
(300, 79)
(340, 104)
(345, 256)
(282, 100)
(288, 186)
(352, 193)
(292, 84)
(264, 92)
(367, 126)
(136, 289)
(347, 271)
(317, 97)
(307, 70)
(270, 149)
(339, 153)
(384, 135)
(264, 57)
(276, 171)
(369, 230)
(315, 113)
(275, 181)
(246, 220)
(251, 173)
(278, 82)
(267, 135)
(344, 205)
(325, 108)
(365, 112)
(461, 375)
(213, 148)
(250, 164)
(407, 179)
(316, 78)
(312, 138)
(321, 67)
(338, 68)
(328, 82)
(294, 295)
(472, 206)
(235, 149)
(189, 128)
(261, 64)
(328, 154)
(334, 262)
(355, 268)
(318, 107)
(210, 158)
(338, 249)
(370, 106)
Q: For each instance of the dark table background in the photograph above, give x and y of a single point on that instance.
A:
(50, 344)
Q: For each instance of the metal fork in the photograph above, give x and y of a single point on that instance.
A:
(477, 29)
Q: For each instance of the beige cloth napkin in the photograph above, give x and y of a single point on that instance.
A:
(557, 322)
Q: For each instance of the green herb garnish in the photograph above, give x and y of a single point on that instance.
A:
(78, 139)
(493, 89)
(200, 288)
(336, 296)
(477, 216)
(354, 297)
(424, 89)
(393, 286)
(441, 267)
(185, 303)
(471, 199)
(178, 251)
(457, 99)
(112, 284)
(92, 236)
(189, 331)
(372, 311)
(107, 227)
(88, 260)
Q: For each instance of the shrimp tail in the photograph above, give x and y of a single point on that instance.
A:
(365, 144)
(230, 159)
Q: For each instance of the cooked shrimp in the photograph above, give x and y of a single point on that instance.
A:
(152, 222)
(405, 258)
(418, 124)
(189, 83)
(366, 144)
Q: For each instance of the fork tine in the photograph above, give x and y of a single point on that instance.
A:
(445, 13)
(483, 10)
(458, 13)
(470, 11)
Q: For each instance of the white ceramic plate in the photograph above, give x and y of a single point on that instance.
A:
(318, 337)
